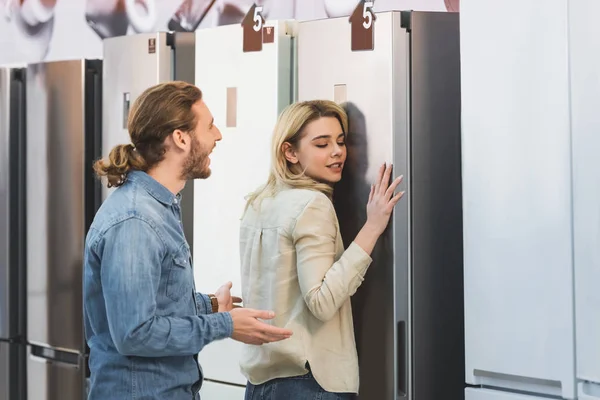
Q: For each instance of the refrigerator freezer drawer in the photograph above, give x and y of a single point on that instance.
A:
(219, 391)
(55, 380)
(487, 394)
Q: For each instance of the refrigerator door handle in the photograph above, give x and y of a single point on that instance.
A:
(402, 359)
(49, 356)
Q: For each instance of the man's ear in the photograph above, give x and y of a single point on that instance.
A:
(289, 153)
(180, 139)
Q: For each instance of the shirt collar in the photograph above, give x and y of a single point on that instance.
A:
(154, 188)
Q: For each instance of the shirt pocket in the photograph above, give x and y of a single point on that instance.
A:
(180, 282)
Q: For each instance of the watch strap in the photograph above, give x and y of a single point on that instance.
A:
(214, 303)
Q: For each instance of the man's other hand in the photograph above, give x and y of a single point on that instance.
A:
(248, 329)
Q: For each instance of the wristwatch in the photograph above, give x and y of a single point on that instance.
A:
(214, 302)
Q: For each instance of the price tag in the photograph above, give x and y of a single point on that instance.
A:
(252, 26)
(362, 26)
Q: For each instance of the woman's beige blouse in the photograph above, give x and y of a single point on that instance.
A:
(293, 263)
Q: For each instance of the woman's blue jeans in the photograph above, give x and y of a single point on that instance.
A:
(303, 387)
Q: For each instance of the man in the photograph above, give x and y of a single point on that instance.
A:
(144, 321)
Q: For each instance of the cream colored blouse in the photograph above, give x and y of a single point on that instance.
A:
(293, 263)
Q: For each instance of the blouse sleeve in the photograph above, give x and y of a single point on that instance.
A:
(325, 283)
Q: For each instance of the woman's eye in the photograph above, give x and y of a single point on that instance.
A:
(342, 144)
(321, 145)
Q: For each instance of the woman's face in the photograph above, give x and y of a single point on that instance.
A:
(321, 152)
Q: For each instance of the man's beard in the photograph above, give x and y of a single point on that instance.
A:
(194, 166)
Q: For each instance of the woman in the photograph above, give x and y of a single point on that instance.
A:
(293, 261)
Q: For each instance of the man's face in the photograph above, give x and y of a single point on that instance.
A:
(204, 139)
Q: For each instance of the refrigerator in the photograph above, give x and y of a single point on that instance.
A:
(530, 173)
(131, 64)
(584, 38)
(12, 234)
(398, 77)
(246, 92)
(63, 109)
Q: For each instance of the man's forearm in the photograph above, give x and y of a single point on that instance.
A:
(173, 336)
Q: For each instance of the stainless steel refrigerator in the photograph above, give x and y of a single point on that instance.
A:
(132, 64)
(12, 234)
(402, 95)
(62, 196)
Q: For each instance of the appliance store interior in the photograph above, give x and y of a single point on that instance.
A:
(481, 287)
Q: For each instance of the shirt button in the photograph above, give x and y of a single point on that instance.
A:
(175, 201)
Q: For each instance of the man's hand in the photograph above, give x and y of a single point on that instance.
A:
(226, 301)
(248, 329)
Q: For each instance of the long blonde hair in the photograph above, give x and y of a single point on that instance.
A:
(290, 128)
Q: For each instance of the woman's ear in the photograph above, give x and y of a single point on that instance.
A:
(289, 153)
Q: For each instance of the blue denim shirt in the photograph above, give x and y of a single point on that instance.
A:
(144, 321)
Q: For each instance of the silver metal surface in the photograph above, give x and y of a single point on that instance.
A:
(401, 221)
(6, 330)
(12, 207)
(323, 47)
(403, 104)
(55, 203)
(436, 256)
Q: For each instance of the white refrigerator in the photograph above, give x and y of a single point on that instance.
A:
(245, 91)
(530, 173)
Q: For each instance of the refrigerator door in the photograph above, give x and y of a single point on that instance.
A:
(55, 375)
(57, 171)
(585, 125)
(12, 371)
(132, 64)
(373, 87)
(245, 93)
(436, 258)
(518, 232)
(12, 203)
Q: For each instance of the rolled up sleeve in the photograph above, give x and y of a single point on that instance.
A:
(326, 283)
(204, 306)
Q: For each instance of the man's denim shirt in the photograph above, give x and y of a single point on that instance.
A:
(144, 321)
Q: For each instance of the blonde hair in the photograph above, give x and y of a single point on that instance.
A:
(290, 128)
(155, 114)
